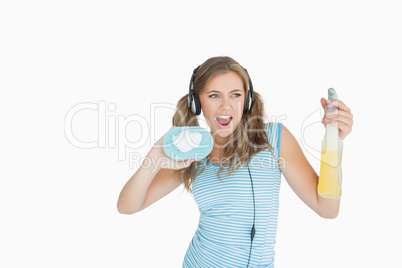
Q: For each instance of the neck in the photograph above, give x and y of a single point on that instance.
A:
(215, 155)
(220, 143)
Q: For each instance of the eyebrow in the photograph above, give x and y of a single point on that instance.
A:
(235, 90)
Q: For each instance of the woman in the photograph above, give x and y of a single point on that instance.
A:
(236, 187)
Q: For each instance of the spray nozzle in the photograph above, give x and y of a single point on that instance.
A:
(332, 96)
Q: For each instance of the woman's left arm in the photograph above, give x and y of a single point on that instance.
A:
(298, 172)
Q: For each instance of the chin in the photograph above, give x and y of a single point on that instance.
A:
(225, 133)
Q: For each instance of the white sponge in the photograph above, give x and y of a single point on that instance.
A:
(187, 140)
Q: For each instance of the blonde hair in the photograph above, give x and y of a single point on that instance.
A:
(244, 143)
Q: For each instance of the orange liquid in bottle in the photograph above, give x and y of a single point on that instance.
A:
(330, 184)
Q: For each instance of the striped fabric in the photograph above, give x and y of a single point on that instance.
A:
(222, 238)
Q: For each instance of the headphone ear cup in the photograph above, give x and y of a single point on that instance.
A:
(247, 103)
(196, 105)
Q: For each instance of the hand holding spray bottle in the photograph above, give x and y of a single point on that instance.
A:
(330, 180)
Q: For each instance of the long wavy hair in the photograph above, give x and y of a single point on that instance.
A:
(248, 138)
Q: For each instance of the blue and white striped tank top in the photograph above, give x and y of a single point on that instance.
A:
(222, 238)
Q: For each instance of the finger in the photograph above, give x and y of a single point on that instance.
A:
(339, 115)
(344, 129)
(189, 161)
(336, 113)
(344, 120)
(324, 104)
(185, 163)
(339, 104)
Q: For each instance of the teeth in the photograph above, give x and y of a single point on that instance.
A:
(225, 116)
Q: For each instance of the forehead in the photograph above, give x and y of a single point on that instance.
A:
(223, 82)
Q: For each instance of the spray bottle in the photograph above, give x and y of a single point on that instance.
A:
(330, 180)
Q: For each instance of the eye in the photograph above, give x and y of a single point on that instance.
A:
(213, 96)
(236, 95)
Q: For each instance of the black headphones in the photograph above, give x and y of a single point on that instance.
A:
(194, 101)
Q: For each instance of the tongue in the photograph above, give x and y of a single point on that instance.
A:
(223, 121)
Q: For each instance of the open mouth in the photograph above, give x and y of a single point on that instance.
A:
(224, 120)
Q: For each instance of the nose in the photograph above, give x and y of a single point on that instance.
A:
(225, 104)
(228, 104)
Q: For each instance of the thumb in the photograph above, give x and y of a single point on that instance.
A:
(324, 104)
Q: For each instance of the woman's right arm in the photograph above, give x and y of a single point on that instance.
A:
(151, 182)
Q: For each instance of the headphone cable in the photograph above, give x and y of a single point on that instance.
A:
(253, 228)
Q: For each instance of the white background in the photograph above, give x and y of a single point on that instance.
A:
(58, 199)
